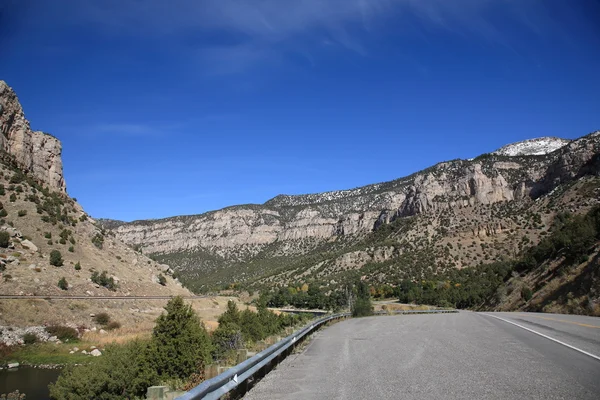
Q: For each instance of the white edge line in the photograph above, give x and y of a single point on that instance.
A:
(545, 336)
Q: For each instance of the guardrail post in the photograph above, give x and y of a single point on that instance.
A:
(242, 355)
(156, 393)
(210, 371)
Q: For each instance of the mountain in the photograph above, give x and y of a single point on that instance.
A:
(533, 147)
(45, 235)
(455, 214)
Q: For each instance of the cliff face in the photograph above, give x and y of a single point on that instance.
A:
(41, 222)
(486, 180)
(35, 152)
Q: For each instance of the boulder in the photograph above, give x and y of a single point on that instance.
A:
(29, 245)
(96, 353)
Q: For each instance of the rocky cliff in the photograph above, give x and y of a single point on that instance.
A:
(50, 246)
(298, 225)
(459, 183)
(36, 152)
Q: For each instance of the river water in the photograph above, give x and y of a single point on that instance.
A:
(33, 382)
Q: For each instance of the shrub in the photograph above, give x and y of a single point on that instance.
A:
(180, 344)
(102, 318)
(123, 372)
(104, 280)
(2, 191)
(22, 213)
(98, 240)
(48, 235)
(62, 332)
(113, 325)
(162, 280)
(56, 258)
(77, 266)
(526, 293)
(227, 338)
(13, 197)
(362, 308)
(4, 239)
(18, 177)
(30, 338)
(3, 213)
(63, 284)
(362, 305)
(71, 249)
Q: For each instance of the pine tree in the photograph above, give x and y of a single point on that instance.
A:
(180, 344)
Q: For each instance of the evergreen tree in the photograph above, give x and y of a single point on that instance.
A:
(180, 344)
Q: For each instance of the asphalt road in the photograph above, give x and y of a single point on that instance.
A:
(447, 356)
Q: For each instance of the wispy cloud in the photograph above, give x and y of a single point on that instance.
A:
(230, 36)
(132, 129)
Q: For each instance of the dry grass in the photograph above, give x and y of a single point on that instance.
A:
(401, 307)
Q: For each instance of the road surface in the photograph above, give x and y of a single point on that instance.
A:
(448, 356)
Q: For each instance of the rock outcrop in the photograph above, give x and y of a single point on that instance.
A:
(238, 232)
(36, 152)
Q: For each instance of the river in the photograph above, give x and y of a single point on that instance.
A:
(33, 382)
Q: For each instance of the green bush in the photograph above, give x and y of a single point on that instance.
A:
(102, 318)
(162, 280)
(30, 338)
(526, 293)
(22, 213)
(71, 249)
(56, 258)
(123, 372)
(13, 197)
(4, 239)
(180, 343)
(3, 213)
(104, 280)
(362, 306)
(98, 240)
(227, 338)
(77, 266)
(63, 333)
(63, 284)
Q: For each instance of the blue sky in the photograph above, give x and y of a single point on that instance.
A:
(184, 106)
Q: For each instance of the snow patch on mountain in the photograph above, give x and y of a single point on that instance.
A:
(532, 147)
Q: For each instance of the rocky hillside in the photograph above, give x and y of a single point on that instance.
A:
(533, 147)
(35, 152)
(452, 215)
(46, 236)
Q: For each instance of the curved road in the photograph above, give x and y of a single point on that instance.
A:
(447, 356)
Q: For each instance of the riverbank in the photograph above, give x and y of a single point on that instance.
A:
(48, 355)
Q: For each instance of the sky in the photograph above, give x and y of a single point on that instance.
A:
(183, 106)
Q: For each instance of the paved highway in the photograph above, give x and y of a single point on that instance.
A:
(447, 356)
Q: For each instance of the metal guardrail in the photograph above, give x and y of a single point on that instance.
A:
(229, 380)
(218, 386)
